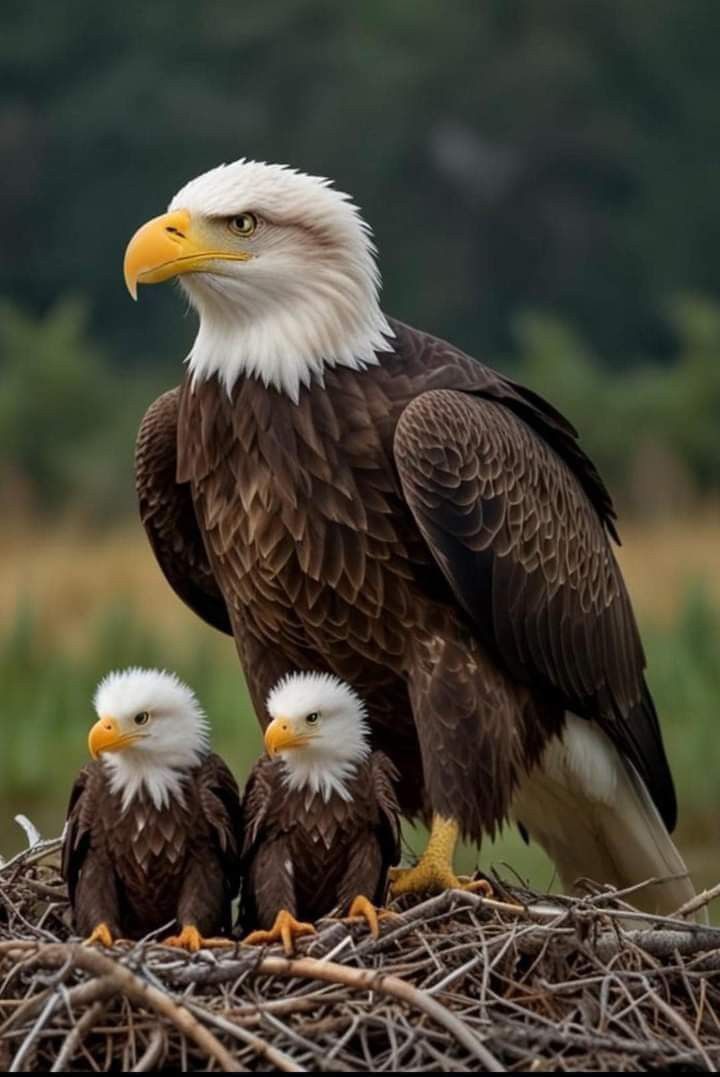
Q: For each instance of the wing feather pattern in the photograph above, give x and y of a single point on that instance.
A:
(267, 871)
(525, 548)
(87, 870)
(168, 515)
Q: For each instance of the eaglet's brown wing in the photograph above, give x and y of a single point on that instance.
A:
(222, 808)
(375, 847)
(168, 515)
(86, 867)
(384, 778)
(528, 557)
(212, 879)
(267, 872)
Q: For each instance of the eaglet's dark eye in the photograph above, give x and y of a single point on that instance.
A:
(312, 718)
(142, 718)
(244, 224)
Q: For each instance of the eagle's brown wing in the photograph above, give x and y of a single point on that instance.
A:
(528, 557)
(267, 871)
(167, 513)
(212, 879)
(87, 867)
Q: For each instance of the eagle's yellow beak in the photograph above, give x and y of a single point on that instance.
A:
(280, 735)
(105, 736)
(170, 245)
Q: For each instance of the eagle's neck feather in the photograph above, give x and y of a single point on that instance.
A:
(286, 335)
(130, 775)
(324, 779)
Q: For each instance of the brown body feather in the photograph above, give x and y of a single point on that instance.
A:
(308, 855)
(426, 530)
(139, 869)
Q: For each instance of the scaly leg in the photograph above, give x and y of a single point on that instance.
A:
(434, 871)
(101, 935)
(285, 929)
(191, 939)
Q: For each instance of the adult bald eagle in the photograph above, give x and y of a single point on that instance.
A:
(340, 491)
(320, 814)
(153, 830)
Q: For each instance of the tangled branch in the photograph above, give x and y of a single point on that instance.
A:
(457, 982)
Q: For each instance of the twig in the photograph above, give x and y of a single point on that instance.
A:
(33, 835)
(265, 1050)
(76, 1035)
(700, 901)
(143, 993)
(366, 980)
(32, 1036)
(151, 1055)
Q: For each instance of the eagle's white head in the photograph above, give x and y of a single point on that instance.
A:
(280, 267)
(150, 732)
(319, 730)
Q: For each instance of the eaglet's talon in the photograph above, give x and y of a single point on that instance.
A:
(363, 909)
(190, 939)
(101, 935)
(285, 929)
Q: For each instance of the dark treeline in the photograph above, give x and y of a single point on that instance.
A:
(542, 180)
(510, 154)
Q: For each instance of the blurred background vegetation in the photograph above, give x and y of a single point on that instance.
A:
(542, 181)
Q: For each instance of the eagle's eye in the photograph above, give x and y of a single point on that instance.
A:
(243, 225)
(142, 718)
(312, 718)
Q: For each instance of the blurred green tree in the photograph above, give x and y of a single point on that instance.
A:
(67, 418)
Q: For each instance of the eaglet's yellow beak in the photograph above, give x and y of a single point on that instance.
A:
(105, 736)
(280, 736)
(170, 245)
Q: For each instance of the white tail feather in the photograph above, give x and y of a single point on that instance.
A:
(591, 812)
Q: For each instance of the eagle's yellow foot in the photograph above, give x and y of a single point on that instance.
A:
(191, 939)
(428, 878)
(101, 934)
(434, 872)
(285, 929)
(363, 909)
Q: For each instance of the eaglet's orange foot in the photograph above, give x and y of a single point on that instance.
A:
(434, 872)
(102, 935)
(361, 908)
(190, 939)
(285, 929)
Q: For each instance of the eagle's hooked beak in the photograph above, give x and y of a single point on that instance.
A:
(280, 735)
(168, 246)
(105, 736)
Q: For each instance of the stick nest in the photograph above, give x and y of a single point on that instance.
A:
(457, 983)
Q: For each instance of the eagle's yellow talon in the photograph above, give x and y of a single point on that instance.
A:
(101, 935)
(428, 878)
(477, 886)
(363, 909)
(191, 939)
(285, 929)
(434, 871)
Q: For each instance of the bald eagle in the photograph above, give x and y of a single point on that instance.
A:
(320, 814)
(153, 829)
(342, 492)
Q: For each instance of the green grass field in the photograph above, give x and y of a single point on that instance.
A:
(58, 641)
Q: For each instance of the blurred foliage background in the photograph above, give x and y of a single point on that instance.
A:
(542, 181)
